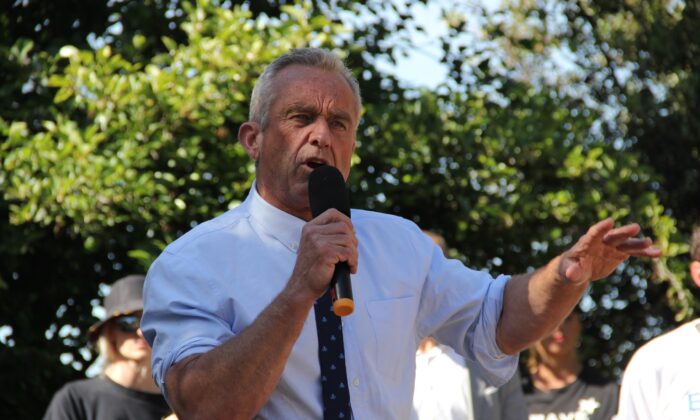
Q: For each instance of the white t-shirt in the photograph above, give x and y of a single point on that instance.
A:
(662, 381)
(447, 388)
(443, 386)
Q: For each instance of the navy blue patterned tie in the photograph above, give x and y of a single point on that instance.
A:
(331, 356)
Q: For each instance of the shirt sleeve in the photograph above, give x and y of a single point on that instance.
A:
(64, 406)
(183, 314)
(461, 307)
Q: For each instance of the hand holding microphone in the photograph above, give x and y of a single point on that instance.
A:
(327, 190)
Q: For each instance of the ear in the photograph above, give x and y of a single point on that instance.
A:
(695, 272)
(250, 137)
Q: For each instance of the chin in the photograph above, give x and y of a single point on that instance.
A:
(300, 197)
(140, 355)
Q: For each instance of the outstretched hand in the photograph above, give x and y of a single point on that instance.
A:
(601, 249)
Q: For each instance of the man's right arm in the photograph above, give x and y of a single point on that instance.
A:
(236, 378)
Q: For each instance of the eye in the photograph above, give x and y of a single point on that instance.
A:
(338, 124)
(303, 118)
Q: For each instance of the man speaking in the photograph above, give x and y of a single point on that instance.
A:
(238, 309)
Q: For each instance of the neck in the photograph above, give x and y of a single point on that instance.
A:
(300, 211)
(555, 372)
(132, 374)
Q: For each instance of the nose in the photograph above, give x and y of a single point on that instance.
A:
(557, 330)
(320, 133)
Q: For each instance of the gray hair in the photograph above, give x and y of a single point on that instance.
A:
(263, 93)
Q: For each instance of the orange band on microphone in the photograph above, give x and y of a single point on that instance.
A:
(343, 306)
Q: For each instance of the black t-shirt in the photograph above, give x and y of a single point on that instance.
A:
(102, 399)
(589, 397)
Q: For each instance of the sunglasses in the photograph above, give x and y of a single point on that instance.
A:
(128, 323)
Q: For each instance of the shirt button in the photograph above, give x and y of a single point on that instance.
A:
(294, 245)
(356, 382)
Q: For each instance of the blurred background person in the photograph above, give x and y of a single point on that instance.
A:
(559, 386)
(125, 389)
(662, 380)
(448, 388)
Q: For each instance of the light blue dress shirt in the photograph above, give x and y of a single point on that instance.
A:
(210, 284)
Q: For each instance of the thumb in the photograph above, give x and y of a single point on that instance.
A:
(572, 271)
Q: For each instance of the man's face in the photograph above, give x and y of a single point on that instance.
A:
(312, 121)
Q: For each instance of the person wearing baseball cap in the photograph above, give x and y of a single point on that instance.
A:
(124, 389)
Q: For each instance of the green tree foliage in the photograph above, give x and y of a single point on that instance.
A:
(134, 154)
(510, 185)
(113, 148)
(637, 61)
(658, 43)
(630, 63)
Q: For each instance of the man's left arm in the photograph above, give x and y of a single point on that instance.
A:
(536, 303)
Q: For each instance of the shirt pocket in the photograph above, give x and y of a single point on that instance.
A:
(393, 322)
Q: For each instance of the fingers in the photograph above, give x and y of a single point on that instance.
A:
(604, 247)
(329, 216)
(621, 238)
(331, 222)
(601, 228)
(335, 237)
(633, 244)
(330, 238)
(639, 247)
(617, 236)
(337, 252)
(651, 252)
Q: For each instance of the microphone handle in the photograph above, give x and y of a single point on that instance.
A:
(341, 290)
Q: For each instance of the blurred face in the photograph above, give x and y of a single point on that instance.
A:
(311, 122)
(563, 340)
(127, 338)
(695, 272)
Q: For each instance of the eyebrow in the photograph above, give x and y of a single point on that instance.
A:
(310, 109)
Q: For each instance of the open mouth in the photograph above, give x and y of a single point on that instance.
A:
(313, 164)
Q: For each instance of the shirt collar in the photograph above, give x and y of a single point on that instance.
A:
(283, 226)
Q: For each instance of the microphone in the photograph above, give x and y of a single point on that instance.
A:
(327, 191)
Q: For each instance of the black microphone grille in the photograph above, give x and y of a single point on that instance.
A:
(327, 190)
